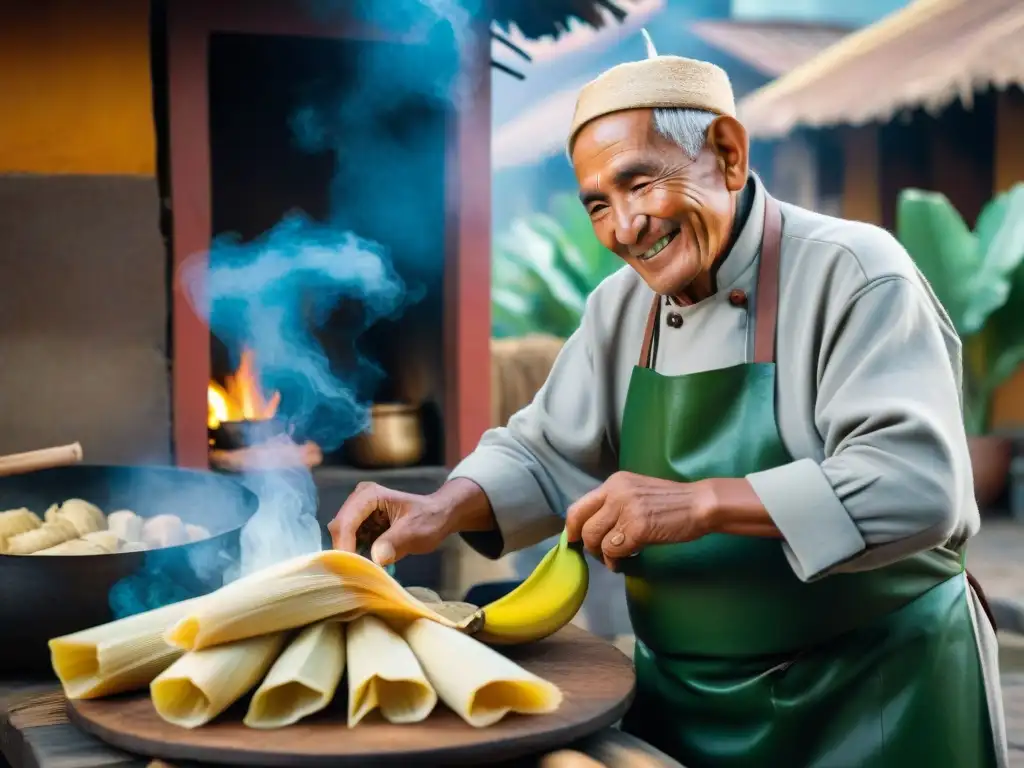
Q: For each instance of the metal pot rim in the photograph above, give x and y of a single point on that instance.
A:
(390, 409)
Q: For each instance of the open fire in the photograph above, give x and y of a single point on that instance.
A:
(241, 398)
(245, 433)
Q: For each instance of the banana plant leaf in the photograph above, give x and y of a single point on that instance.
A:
(942, 246)
(1000, 235)
(510, 315)
(979, 278)
(539, 251)
(597, 262)
(998, 349)
(544, 268)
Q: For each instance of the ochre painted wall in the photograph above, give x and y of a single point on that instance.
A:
(1008, 406)
(75, 89)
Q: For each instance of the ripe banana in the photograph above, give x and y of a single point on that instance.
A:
(544, 603)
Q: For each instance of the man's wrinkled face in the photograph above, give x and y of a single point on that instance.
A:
(664, 213)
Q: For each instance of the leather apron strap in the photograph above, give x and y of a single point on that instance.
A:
(976, 586)
(766, 300)
(645, 360)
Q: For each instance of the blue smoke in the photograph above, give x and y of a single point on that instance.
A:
(272, 294)
(275, 293)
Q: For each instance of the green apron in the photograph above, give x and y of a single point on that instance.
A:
(739, 663)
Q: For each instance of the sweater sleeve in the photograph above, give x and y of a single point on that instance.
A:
(551, 452)
(896, 477)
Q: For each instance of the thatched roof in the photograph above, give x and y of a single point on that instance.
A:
(925, 55)
(772, 48)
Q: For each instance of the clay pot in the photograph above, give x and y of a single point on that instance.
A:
(990, 465)
(394, 439)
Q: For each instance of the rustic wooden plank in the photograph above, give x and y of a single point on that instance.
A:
(37, 734)
(11, 693)
(64, 746)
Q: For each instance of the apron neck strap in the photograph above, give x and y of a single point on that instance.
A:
(647, 348)
(766, 300)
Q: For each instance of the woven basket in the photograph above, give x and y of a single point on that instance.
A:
(519, 368)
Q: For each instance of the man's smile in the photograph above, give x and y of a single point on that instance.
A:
(658, 247)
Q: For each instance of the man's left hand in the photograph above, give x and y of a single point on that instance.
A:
(628, 512)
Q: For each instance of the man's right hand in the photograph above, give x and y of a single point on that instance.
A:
(409, 524)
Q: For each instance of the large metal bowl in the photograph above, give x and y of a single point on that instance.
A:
(45, 597)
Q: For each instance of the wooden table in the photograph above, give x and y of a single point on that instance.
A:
(35, 733)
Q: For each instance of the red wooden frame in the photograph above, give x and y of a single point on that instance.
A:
(467, 259)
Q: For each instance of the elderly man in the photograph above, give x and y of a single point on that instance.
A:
(758, 422)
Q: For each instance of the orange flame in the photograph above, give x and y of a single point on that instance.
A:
(240, 399)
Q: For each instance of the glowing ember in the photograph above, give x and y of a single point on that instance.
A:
(240, 399)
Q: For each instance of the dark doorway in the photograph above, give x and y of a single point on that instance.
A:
(376, 167)
(950, 152)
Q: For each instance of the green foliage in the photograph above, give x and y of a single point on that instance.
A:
(543, 268)
(979, 278)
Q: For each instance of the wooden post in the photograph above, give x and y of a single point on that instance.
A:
(1008, 403)
(862, 194)
(1009, 149)
(189, 137)
(468, 275)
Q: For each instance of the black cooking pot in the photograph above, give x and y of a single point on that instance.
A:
(45, 597)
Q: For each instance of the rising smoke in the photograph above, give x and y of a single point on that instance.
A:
(280, 289)
(273, 293)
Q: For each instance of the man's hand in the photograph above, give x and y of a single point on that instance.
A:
(408, 524)
(628, 512)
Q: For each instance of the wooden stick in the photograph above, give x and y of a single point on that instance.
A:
(510, 45)
(45, 458)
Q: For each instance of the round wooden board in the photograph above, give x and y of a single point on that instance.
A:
(596, 678)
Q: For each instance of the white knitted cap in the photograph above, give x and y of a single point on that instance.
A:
(656, 82)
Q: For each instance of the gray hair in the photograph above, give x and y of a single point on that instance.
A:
(686, 127)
